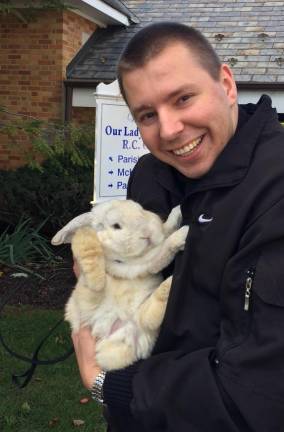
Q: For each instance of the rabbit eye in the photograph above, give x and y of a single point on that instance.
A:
(116, 226)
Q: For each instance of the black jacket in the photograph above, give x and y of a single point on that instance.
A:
(218, 365)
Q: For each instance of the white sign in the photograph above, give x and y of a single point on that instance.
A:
(118, 144)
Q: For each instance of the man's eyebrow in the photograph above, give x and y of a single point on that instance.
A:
(171, 95)
(139, 109)
(178, 91)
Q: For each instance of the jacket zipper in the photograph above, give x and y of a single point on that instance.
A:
(248, 288)
(250, 273)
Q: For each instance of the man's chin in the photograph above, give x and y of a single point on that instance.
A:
(195, 172)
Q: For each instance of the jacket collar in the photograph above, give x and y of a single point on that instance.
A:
(233, 163)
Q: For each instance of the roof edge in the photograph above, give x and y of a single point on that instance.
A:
(81, 53)
(259, 85)
(73, 82)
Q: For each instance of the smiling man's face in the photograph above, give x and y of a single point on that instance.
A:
(185, 117)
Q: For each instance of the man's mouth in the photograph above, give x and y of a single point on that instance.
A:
(188, 148)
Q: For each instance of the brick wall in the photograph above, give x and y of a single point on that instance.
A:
(82, 115)
(33, 60)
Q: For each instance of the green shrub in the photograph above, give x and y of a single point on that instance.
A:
(59, 188)
(51, 140)
(24, 245)
(57, 193)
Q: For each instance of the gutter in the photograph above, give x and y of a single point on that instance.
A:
(69, 84)
(260, 85)
(104, 13)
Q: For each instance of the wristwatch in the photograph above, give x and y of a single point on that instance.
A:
(97, 387)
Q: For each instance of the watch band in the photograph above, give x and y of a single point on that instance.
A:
(97, 387)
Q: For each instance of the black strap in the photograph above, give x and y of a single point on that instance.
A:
(34, 360)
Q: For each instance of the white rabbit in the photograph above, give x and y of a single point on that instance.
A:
(121, 249)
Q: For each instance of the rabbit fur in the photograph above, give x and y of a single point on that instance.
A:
(121, 249)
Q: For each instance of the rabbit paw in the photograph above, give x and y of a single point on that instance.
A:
(111, 355)
(84, 241)
(163, 291)
(178, 238)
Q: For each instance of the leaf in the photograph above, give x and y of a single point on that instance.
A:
(24, 244)
(26, 408)
(59, 339)
(18, 275)
(53, 422)
(85, 400)
(10, 420)
(78, 422)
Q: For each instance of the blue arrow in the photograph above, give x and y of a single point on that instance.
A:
(110, 172)
(110, 158)
(110, 185)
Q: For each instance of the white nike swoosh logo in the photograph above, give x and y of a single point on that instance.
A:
(203, 219)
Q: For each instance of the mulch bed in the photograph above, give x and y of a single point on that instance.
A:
(50, 292)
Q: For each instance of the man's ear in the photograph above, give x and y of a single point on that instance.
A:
(229, 84)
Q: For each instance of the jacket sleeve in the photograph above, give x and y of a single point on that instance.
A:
(237, 385)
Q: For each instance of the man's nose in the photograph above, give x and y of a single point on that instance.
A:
(170, 125)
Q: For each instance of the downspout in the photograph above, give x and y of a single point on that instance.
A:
(68, 102)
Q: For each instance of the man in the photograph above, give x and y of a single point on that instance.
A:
(218, 364)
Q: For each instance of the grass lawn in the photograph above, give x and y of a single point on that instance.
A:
(51, 401)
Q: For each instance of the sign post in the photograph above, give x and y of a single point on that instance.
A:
(118, 144)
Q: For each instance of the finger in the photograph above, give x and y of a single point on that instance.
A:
(76, 268)
(74, 337)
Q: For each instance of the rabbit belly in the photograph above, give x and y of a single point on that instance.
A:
(125, 345)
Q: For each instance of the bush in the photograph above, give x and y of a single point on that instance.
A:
(57, 193)
(47, 139)
(24, 245)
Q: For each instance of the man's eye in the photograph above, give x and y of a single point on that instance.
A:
(184, 98)
(147, 117)
(116, 226)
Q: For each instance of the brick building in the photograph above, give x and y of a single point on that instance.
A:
(34, 56)
(47, 70)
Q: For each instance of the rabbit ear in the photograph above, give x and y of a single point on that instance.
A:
(66, 233)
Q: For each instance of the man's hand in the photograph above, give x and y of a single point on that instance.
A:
(76, 268)
(84, 345)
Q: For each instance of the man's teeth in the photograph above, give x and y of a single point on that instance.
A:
(188, 148)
